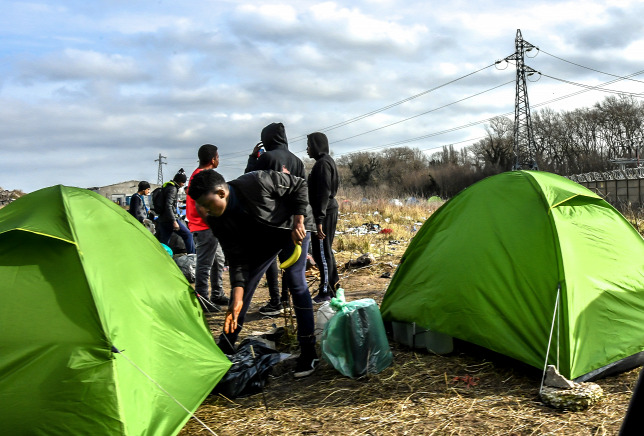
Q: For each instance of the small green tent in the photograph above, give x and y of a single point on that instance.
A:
(100, 333)
(492, 264)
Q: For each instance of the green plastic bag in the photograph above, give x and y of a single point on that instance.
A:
(354, 340)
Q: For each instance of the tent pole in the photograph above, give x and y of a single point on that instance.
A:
(552, 328)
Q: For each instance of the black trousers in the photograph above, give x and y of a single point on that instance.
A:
(323, 254)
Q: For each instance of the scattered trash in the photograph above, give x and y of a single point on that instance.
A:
(394, 242)
(364, 260)
(580, 397)
(364, 229)
(385, 275)
(468, 380)
(385, 231)
(249, 373)
(411, 200)
(395, 202)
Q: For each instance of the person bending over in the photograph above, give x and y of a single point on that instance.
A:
(256, 217)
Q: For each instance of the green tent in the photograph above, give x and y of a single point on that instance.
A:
(100, 333)
(492, 264)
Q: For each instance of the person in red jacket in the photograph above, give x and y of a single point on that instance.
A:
(210, 259)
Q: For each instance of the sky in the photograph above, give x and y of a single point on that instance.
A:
(92, 92)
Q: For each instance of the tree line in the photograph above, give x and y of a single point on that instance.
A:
(566, 143)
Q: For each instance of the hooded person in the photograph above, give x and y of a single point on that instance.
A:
(323, 184)
(277, 157)
(168, 221)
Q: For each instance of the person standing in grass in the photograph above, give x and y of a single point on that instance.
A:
(210, 264)
(276, 157)
(256, 218)
(323, 184)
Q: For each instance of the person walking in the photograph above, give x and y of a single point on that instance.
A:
(323, 184)
(277, 157)
(210, 260)
(256, 218)
(168, 220)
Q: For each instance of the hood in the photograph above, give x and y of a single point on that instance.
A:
(274, 137)
(318, 144)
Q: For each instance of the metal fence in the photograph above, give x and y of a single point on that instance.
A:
(623, 186)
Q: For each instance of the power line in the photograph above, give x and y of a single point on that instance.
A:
(596, 88)
(368, 114)
(588, 68)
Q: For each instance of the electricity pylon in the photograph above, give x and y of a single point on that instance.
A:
(160, 174)
(524, 146)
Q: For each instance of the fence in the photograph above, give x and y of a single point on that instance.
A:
(621, 186)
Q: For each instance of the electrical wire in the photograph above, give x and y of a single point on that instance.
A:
(588, 68)
(596, 88)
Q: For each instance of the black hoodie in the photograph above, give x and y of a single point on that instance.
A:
(323, 180)
(277, 154)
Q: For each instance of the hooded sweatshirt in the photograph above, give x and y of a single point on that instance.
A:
(323, 180)
(277, 154)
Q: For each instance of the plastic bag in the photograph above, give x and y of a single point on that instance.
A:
(354, 341)
(324, 314)
(188, 265)
(248, 374)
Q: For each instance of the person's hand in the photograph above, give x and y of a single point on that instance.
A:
(256, 148)
(299, 231)
(321, 234)
(175, 225)
(234, 308)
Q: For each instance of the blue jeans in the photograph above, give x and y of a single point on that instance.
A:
(166, 229)
(295, 279)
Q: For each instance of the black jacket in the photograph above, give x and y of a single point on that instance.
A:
(258, 219)
(277, 154)
(170, 196)
(323, 180)
(138, 208)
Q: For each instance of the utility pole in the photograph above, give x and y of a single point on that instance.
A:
(524, 146)
(160, 174)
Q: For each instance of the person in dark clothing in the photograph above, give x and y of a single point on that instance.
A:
(168, 220)
(323, 184)
(276, 157)
(138, 209)
(256, 218)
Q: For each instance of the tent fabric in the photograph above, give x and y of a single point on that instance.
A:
(487, 266)
(80, 279)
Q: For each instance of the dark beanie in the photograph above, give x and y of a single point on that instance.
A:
(143, 185)
(180, 177)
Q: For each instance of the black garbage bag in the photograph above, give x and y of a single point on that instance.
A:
(248, 374)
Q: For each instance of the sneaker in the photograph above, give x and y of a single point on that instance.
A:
(271, 310)
(306, 365)
(321, 298)
(220, 300)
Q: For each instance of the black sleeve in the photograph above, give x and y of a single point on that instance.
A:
(169, 201)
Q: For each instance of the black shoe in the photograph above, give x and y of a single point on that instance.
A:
(306, 365)
(221, 300)
(271, 310)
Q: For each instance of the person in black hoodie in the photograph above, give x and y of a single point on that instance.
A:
(323, 187)
(256, 218)
(276, 157)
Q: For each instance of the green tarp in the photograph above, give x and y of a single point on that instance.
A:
(80, 278)
(486, 268)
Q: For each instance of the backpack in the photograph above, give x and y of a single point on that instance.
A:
(157, 200)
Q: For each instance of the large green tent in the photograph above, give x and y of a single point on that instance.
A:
(492, 264)
(100, 333)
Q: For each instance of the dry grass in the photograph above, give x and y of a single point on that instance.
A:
(420, 393)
